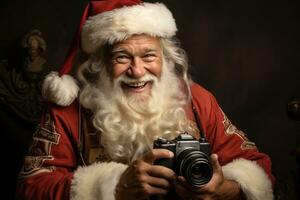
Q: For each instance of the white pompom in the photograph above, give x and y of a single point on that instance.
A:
(60, 90)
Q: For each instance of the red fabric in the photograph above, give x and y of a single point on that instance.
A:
(92, 8)
(105, 5)
(51, 177)
(75, 46)
(226, 146)
(60, 155)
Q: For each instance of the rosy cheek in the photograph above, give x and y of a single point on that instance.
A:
(119, 69)
(156, 69)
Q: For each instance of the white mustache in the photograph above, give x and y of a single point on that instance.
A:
(135, 81)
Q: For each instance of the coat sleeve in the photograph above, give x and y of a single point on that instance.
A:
(49, 164)
(51, 170)
(239, 157)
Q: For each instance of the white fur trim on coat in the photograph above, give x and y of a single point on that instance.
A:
(97, 181)
(116, 25)
(61, 90)
(252, 178)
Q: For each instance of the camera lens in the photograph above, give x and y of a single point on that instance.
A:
(195, 166)
(197, 171)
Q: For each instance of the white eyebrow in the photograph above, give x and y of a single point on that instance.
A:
(122, 50)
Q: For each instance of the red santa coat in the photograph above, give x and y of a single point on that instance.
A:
(51, 169)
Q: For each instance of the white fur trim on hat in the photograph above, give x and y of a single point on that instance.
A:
(61, 90)
(116, 25)
(97, 181)
(252, 178)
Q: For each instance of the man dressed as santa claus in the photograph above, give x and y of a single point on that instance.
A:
(95, 140)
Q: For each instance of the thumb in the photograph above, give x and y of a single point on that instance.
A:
(215, 162)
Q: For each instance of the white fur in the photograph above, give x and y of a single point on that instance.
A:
(252, 178)
(129, 124)
(116, 25)
(61, 90)
(96, 181)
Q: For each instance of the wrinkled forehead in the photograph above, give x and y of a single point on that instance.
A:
(138, 42)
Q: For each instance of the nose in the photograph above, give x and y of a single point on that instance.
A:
(137, 68)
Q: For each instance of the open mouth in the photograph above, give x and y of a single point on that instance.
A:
(136, 86)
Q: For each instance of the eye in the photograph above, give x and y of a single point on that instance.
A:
(122, 58)
(149, 57)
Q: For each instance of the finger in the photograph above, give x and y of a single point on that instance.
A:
(161, 171)
(152, 190)
(217, 178)
(146, 185)
(184, 191)
(182, 182)
(154, 154)
(158, 182)
(144, 191)
(193, 189)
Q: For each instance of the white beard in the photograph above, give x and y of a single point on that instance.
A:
(130, 124)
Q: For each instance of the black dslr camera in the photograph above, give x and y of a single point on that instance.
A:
(191, 158)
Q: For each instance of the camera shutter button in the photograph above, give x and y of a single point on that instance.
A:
(162, 141)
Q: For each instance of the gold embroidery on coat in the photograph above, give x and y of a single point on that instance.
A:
(231, 129)
(43, 139)
(93, 150)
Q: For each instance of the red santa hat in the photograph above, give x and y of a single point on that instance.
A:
(106, 21)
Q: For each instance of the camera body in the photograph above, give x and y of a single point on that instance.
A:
(191, 158)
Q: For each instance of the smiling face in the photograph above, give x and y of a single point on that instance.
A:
(137, 63)
(137, 91)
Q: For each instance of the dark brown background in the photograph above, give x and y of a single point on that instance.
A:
(245, 52)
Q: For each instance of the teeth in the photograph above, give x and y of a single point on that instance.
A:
(136, 84)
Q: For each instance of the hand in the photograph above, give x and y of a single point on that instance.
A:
(216, 189)
(142, 178)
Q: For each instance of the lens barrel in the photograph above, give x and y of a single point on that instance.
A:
(194, 166)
